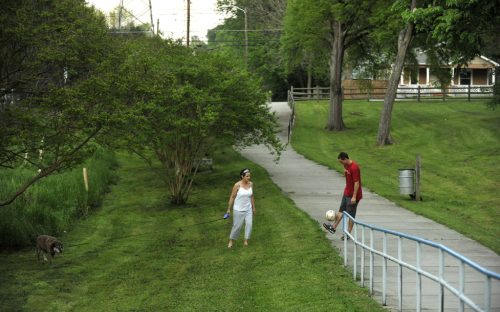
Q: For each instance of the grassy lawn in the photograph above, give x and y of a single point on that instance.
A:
(459, 143)
(138, 253)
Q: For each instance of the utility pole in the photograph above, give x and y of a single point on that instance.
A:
(246, 36)
(188, 20)
(151, 14)
(120, 15)
(157, 26)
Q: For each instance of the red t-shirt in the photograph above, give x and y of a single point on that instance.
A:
(352, 175)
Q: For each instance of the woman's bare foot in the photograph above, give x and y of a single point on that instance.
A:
(230, 244)
(245, 243)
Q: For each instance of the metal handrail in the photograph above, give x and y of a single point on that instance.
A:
(459, 293)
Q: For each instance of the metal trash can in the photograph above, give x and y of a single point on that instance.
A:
(406, 184)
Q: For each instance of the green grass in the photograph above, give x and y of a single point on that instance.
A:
(139, 253)
(459, 143)
(53, 203)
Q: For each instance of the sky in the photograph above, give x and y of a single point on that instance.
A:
(172, 15)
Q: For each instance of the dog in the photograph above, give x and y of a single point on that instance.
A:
(48, 246)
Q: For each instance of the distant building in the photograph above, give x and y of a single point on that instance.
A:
(478, 72)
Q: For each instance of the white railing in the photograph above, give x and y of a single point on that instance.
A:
(379, 247)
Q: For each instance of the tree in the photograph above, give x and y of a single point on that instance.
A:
(264, 30)
(183, 103)
(55, 87)
(404, 40)
(301, 47)
(342, 24)
(454, 30)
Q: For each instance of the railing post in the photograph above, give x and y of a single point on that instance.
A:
(441, 276)
(344, 226)
(371, 261)
(461, 286)
(363, 256)
(418, 93)
(419, 280)
(318, 97)
(468, 93)
(487, 294)
(384, 271)
(355, 251)
(400, 275)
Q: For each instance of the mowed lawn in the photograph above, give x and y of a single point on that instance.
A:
(139, 253)
(458, 141)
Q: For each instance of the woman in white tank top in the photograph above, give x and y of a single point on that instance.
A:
(243, 204)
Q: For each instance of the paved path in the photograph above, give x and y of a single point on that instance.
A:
(315, 188)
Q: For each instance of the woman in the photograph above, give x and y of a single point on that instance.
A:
(243, 204)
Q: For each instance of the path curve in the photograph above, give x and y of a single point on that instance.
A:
(315, 188)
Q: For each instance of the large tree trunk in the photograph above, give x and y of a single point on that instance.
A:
(384, 128)
(180, 162)
(335, 121)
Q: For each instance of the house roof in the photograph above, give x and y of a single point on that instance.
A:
(489, 60)
(477, 62)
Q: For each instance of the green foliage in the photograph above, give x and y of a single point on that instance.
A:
(458, 28)
(458, 142)
(57, 66)
(264, 21)
(138, 253)
(304, 41)
(181, 101)
(439, 69)
(51, 206)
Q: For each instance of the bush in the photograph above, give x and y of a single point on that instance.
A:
(53, 203)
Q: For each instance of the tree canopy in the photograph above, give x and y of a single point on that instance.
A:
(182, 104)
(55, 86)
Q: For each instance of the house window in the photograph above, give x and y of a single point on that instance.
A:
(465, 75)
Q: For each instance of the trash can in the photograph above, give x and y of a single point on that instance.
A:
(406, 178)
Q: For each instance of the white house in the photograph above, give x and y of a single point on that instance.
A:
(479, 72)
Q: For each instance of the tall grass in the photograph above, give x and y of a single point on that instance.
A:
(53, 203)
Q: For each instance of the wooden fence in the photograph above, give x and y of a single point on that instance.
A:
(418, 93)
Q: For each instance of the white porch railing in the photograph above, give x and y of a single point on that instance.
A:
(387, 239)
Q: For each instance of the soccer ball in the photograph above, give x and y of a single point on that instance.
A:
(330, 215)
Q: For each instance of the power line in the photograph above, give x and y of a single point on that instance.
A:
(256, 30)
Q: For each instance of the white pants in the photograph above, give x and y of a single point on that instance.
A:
(238, 218)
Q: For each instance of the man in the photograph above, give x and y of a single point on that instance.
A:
(352, 192)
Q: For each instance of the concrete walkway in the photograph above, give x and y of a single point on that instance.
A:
(315, 189)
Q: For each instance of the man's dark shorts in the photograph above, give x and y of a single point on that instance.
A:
(346, 205)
